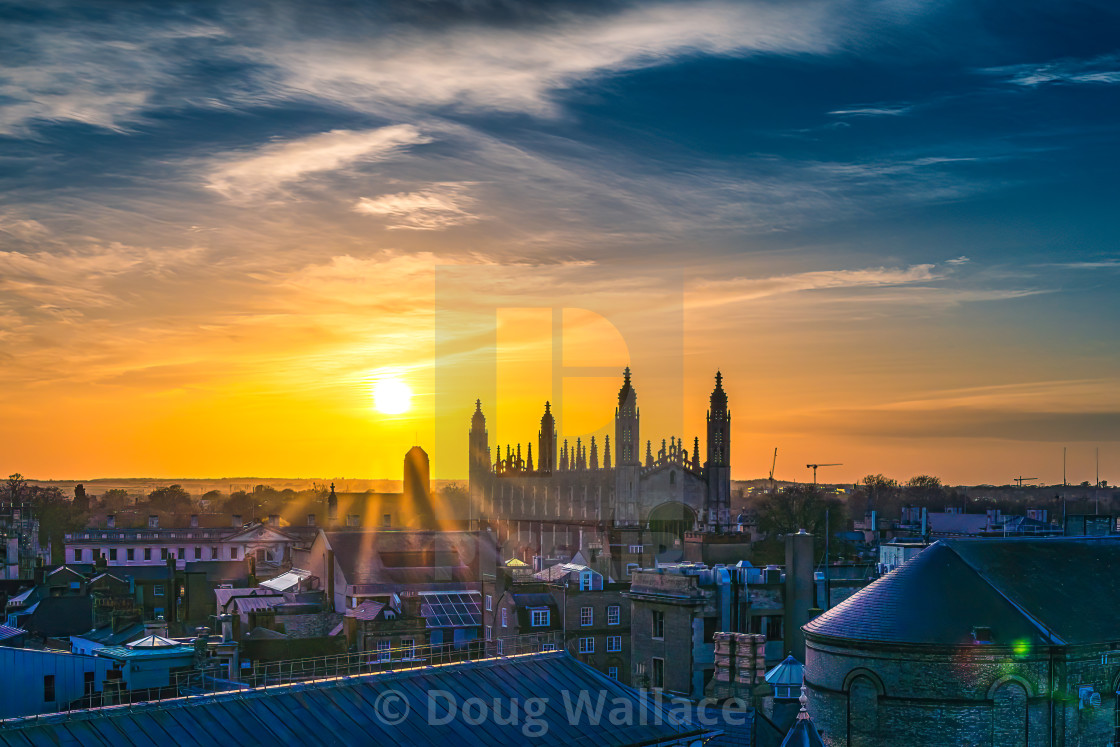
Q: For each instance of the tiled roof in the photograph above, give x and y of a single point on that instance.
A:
(1033, 590)
(788, 673)
(803, 734)
(366, 610)
(106, 635)
(346, 711)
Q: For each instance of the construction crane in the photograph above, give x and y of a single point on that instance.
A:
(1020, 479)
(773, 464)
(814, 468)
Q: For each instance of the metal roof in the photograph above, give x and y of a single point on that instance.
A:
(451, 609)
(345, 710)
(7, 631)
(789, 673)
(286, 581)
(161, 652)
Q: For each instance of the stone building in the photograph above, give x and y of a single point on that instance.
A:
(566, 605)
(624, 507)
(985, 642)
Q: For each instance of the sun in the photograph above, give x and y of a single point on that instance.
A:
(391, 396)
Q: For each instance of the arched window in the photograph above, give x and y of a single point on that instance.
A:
(672, 477)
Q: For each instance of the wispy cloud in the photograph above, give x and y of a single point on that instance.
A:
(277, 164)
(742, 289)
(436, 207)
(1102, 70)
(876, 110)
(1099, 264)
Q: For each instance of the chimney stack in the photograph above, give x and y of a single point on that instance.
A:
(111, 521)
(194, 521)
(236, 521)
(153, 521)
(274, 520)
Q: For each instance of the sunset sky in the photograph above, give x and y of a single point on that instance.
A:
(891, 224)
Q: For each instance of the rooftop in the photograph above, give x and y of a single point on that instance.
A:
(1035, 590)
(353, 710)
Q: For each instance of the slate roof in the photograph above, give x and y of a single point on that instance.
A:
(342, 711)
(361, 555)
(803, 734)
(105, 634)
(1036, 590)
(367, 610)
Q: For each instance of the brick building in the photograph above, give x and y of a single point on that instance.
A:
(569, 603)
(984, 642)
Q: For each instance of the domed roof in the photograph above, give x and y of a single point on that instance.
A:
(934, 598)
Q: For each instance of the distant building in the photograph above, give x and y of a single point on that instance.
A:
(986, 642)
(622, 507)
(19, 542)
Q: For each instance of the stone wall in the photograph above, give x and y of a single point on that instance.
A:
(983, 696)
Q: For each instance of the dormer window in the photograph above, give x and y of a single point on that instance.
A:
(585, 581)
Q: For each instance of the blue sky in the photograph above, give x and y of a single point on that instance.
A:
(895, 221)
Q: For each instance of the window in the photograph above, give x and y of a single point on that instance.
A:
(147, 553)
(113, 554)
(658, 673)
(130, 553)
(505, 617)
(158, 612)
(585, 581)
(548, 647)
(198, 553)
(182, 553)
(489, 632)
(614, 643)
(489, 602)
(213, 553)
(386, 521)
(635, 549)
(658, 624)
(586, 616)
(612, 672)
(163, 553)
(499, 647)
(587, 645)
(383, 650)
(157, 590)
(630, 568)
(77, 555)
(614, 614)
(408, 648)
(48, 688)
(539, 618)
(233, 553)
